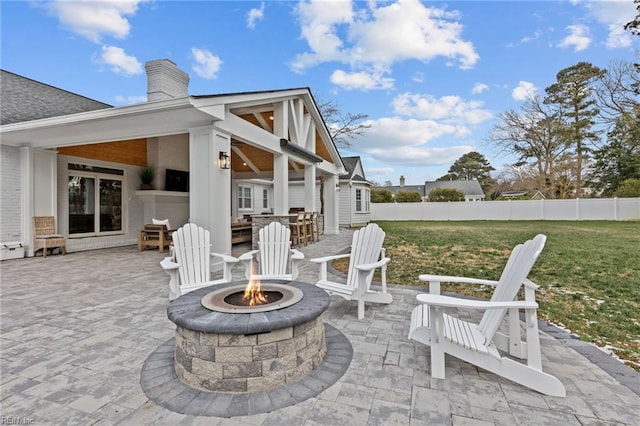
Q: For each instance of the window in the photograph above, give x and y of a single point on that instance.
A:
(245, 195)
(95, 200)
(265, 198)
(362, 200)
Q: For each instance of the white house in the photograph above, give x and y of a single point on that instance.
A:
(78, 160)
(355, 194)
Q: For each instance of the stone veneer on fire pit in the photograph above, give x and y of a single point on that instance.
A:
(248, 352)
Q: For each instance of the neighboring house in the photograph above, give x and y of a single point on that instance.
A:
(355, 194)
(470, 188)
(405, 188)
(78, 160)
(524, 194)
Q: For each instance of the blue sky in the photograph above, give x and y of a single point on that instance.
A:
(430, 76)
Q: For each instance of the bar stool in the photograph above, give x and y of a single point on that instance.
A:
(298, 230)
(308, 227)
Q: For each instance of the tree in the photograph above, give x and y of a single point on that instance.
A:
(619, 160)
(614, 92)
(572, 96)
(343, 127)
(446, 194)
(381, 196)
(534, 135)
(408, 197)
(469, 166)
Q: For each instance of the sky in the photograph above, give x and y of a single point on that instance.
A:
(431, 77)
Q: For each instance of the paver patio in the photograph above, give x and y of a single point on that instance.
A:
(76, 330)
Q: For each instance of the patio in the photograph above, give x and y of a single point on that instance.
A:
(76, 330)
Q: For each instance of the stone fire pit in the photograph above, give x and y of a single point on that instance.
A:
(252, 351)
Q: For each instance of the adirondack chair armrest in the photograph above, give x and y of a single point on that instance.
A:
(329, 258)
(296, 255)
(455, 302)
(168, 264)
(248, 255)
(461, 280)
(225, 257)
(371, 266)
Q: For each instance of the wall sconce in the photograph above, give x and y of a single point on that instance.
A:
(338, 187)
(224, 161)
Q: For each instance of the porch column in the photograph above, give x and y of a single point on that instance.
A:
(331, 225)
(310, 188)
(26, 193)
(280, 184)
(210, 186)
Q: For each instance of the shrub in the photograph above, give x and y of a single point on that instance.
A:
(381, 196)
(408, 197)
(446, 194)
(629, 188)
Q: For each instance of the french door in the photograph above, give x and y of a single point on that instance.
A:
(95, 201)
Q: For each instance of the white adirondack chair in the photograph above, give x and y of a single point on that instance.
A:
(274, 258)
(479, 344)
(367, 255)
(189, 266)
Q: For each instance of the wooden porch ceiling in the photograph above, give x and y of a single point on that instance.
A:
(248, 158)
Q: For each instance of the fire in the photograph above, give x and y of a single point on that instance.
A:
(254, 294)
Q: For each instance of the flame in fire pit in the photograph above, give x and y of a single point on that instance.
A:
(254, 294)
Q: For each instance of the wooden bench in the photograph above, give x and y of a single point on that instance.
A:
(154, 236)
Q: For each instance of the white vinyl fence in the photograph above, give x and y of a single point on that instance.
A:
(575, 209)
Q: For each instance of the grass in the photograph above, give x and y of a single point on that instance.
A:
(589, 271)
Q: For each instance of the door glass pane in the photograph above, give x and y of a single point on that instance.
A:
(110, 205)
(81, 204)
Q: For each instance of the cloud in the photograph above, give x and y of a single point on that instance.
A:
(361, 80)
(579, 38)
(614, 15)
(119, 61)
(536, 35)
(361, 38)
(525, 90)
(255, 15)
(130, 100)
(479, 88)
(95, 19)
(206, 64)
(379, 171)
(449, 109)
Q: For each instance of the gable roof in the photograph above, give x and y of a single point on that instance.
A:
(355, 171)
(24, 99)
(467, 187)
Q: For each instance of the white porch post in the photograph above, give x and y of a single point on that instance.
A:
(310, 188)
(210, 186)
(26, 192)
(331, 225)
(280, 184)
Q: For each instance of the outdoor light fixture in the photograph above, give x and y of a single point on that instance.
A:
(337, 187)
(224, 161)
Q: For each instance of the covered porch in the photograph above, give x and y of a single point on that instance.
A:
(225, 143)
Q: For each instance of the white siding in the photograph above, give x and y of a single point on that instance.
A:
(10, 194)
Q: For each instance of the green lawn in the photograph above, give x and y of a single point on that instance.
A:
(589, 272)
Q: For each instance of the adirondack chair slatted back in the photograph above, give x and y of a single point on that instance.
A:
(522, 259)
(366, 246)
(192, 248)
(274, 243)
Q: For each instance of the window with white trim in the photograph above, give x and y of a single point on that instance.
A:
(362, 200)
(265, 198)
(245, 195)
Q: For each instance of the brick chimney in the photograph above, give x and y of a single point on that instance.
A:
(165, 80)
(401, 181)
